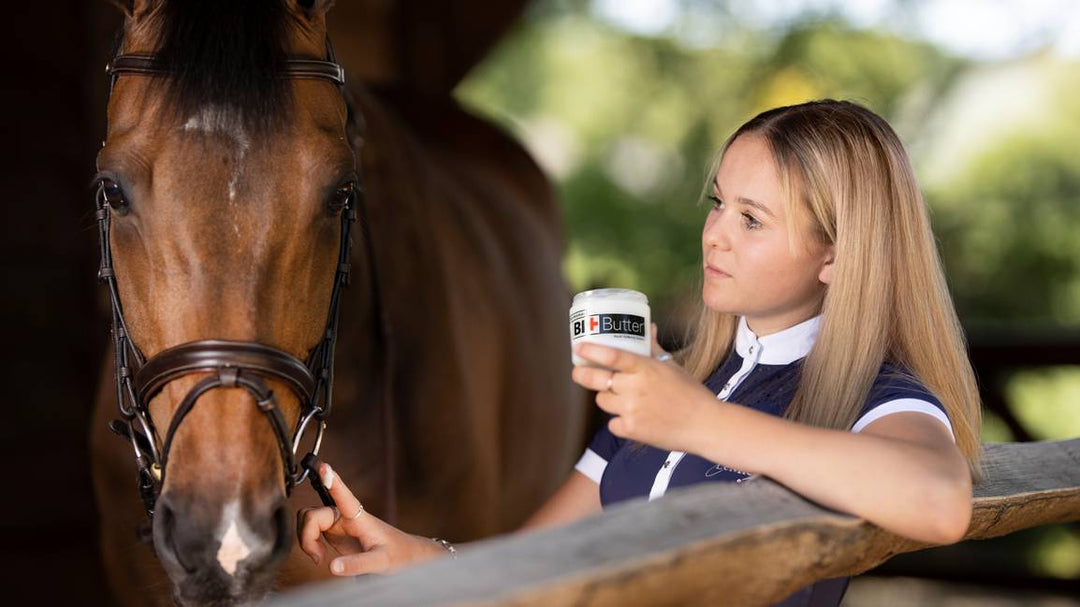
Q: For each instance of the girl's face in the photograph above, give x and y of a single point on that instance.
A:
(751, 266)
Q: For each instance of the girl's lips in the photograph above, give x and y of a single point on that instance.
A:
(712, 272)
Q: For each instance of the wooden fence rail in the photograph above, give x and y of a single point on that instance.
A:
(746, 544)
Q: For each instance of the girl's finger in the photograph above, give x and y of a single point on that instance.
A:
(373, 561)
(608, 402)
(346, 502)
(612, 358)
(592, 378)
(311, 524)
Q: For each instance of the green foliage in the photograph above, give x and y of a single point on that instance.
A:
(1045, 401)
(1056, 553)
(872, 68)
(1009, 227)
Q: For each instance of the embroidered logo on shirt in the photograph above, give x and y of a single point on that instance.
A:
(717, 469)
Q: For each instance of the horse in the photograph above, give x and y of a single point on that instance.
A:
(227, 184)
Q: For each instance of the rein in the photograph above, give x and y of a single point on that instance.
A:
(240, 364)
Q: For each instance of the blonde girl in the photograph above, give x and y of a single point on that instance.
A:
(827, 356)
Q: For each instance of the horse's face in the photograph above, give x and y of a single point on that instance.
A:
(227, 234)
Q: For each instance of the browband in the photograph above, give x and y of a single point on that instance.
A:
(294, 68)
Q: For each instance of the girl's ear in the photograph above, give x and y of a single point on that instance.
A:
(826, 273)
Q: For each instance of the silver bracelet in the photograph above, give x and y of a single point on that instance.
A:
(447, 545)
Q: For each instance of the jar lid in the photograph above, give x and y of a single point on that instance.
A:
(620, 294)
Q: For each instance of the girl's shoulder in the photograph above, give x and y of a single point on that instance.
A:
(895, 390)
(895, 381)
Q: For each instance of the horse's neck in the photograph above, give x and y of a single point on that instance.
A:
(462, 219)
(467, 243)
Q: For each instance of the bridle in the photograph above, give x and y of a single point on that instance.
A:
(229, 364)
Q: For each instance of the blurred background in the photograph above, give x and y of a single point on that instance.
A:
(624, 103)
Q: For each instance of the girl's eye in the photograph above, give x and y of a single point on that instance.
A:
(751, 222)
(110, 193)
(716, 202)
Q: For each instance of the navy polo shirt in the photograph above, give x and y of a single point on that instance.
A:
(763, 374)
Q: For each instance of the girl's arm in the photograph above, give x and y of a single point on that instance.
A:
(578, 497)
(367, 544)
(902, 472)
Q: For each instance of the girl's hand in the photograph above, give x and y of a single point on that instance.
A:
(365, 543)
(654, 402)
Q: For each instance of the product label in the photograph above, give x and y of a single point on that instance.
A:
(602, 324)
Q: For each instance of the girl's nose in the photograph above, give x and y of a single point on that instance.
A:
(715, 233)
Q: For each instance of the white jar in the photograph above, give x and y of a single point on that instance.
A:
(611, 317)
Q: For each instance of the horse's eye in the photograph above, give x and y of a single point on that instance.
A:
(110, 193)
(343, 197)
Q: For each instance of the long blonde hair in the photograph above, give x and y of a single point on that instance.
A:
(845, 167)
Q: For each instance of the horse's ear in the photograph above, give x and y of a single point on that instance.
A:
(314, 8)
(132, 8)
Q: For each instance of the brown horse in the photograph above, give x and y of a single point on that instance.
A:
(453, 410)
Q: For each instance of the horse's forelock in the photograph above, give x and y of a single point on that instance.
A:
(228, 56)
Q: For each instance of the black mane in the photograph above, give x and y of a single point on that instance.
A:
(226, 56)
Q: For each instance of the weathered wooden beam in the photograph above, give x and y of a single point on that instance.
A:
(745, 544)
(1020, 346)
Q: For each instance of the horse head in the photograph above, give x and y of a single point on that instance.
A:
(223, 182)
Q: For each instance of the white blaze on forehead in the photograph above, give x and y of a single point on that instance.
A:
(214, 120)
(233, 548)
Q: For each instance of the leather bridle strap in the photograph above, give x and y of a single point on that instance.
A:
(231, 377)
(232, 364)
(139, 63)
(215, 354)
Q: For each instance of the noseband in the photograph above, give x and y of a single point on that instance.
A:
(229, 364)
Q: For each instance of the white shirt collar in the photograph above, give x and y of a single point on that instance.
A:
(780, 348)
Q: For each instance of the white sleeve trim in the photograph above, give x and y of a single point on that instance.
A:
(591, 465)
(902, 405)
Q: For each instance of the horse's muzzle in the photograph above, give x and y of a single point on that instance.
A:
(224, 555)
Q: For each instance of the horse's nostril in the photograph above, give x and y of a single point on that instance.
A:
(165, 534)
(283, 528)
